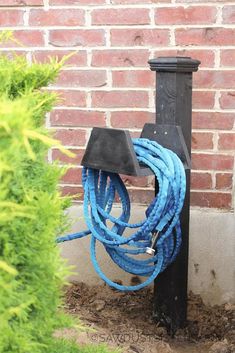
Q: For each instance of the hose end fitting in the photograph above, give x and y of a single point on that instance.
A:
(150, 251)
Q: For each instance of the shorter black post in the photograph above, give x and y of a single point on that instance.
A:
(174, 106)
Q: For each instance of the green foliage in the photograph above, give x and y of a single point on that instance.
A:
(17, 77)
(31, 211)
(32, 272)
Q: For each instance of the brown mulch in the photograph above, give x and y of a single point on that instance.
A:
(125, 319)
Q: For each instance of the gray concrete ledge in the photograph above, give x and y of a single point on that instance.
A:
(211, 257)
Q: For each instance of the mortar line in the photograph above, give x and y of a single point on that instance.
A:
(131, 26)
(109, 5)
(46, 4)
(26, 17)
(159, 48)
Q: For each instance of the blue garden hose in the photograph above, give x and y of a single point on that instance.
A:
(158, 235)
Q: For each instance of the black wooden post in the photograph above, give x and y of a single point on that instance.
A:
(174, 107)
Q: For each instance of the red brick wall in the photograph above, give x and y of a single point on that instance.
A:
(108, 82)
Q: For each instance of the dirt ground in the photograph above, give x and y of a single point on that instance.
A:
(125, 320)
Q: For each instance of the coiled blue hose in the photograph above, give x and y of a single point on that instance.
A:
(162, 216)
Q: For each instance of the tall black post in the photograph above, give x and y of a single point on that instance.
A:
(174, 107)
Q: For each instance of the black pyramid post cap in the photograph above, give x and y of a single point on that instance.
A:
(174, 64)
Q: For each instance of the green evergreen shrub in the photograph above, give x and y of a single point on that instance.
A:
(32, 272)
(31, 210)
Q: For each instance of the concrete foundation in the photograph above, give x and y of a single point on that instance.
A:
(211, 257)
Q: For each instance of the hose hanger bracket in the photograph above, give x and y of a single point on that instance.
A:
(112, 150)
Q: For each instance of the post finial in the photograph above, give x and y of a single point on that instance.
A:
(174, 64)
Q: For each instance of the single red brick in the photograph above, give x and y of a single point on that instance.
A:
(127, 16)
(21, 3)
(140, 37)
(133, 78)
(31, 2)
(114, 99)
(126, 2)
(215, 79)
(228, 14)
(11, 18)
(205, 36)
(78, 118)
(211, 199)
(56, 17)
(26, 38)
(202, 140)
(198, 1)
(76, 2)
(125, 119)
(141, 196)
(227, 141)
(207, 57)
(71, 98)
(11, 54)
(71, 137)
(75, 191)
(227, 57)
(57, 155)
(227, 100)
(79, 58)
(202, 161)
(136, 181)
(76, 37)
(82, 78)
(213, 120)
(72, 176)
(135, 134)
(224, 181)
(116, 57)
(185, 15)
(201, 180)
(203, 99)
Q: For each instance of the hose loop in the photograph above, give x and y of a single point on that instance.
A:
(162, 216)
